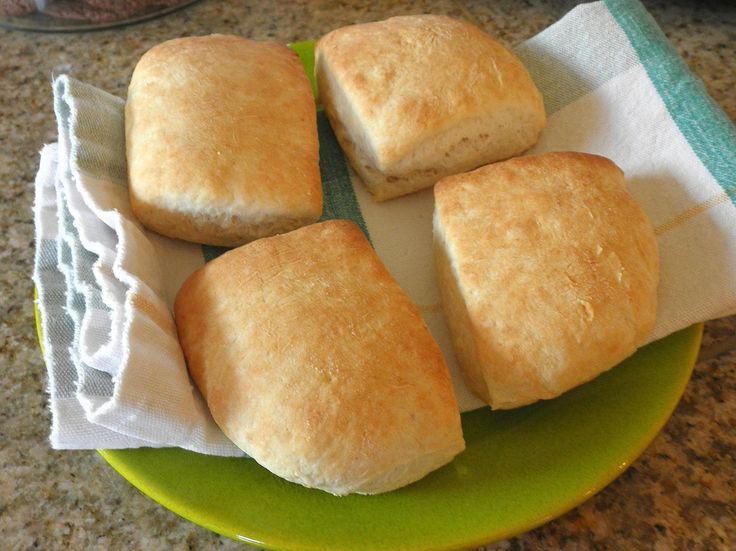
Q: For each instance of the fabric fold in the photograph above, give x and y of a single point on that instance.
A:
(129, 376)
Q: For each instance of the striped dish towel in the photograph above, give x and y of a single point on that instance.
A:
(612, 85)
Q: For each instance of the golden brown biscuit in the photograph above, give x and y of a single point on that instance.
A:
(549, 272)
(221, 139)
(316, 364)
(415, 98)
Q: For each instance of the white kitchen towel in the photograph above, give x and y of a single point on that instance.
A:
(612, 85)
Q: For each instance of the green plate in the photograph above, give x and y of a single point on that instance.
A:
(521, 469)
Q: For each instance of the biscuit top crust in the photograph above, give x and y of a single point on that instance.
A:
(314, 361)
(410, 78)
(224, 124)
(558, 267)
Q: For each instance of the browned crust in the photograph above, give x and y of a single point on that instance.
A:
(221, 140)
(557, 269)
(314, 362)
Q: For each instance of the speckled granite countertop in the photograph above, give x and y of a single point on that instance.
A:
(681, 494)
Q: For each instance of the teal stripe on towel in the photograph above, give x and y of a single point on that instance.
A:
(705, 126)
(210, 252)
(339, 197)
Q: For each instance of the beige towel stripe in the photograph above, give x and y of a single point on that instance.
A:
(692, 212)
